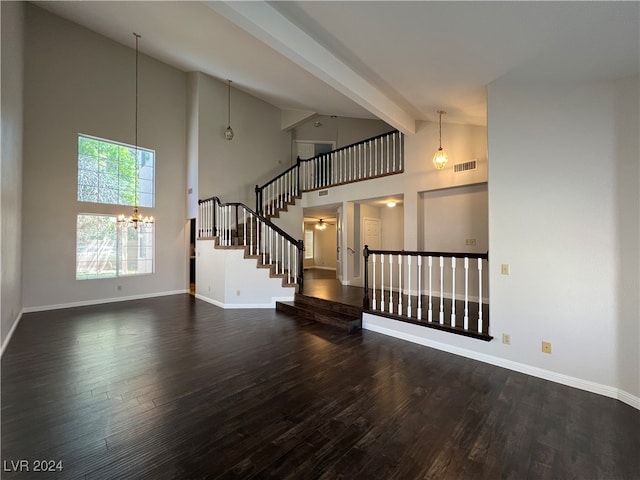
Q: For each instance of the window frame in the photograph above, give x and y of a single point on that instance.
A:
(138, 194)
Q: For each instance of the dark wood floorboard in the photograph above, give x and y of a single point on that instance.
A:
(175, 388)
(324, 284)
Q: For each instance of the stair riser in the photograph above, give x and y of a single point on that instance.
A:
(341, 308)
(347, 325)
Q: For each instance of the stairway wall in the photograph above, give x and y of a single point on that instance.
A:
(227, 279)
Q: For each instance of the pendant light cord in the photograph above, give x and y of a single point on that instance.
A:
(228, 103)
(440, 112)
(135, 178)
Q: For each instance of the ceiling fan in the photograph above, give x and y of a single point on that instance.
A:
(321, 223)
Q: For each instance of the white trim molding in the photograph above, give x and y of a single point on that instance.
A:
(10, 334)
(101, 301)
(579, 383)
(231, 306)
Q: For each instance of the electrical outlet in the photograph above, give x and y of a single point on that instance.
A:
(237, 293)
(470, 242)
(546, 347)
(506, 339)
(119, 287)
(505, 269)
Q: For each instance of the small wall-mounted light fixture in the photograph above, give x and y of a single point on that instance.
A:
(441, 158)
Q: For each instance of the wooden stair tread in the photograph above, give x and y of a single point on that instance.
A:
(327, 316)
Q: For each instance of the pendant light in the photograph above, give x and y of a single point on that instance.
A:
(228, 133)
(321, 225)
(441, 158)
(136, 218)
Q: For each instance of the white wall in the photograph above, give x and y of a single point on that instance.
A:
(341, 130)
(325, 245)
(453, 215)
(11, 168)
(193, 152)
(392, 228)
(225, 278)
(79, 82)
(563, 202)
(258, 152)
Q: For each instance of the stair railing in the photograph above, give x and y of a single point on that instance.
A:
(235, 224)
(443, 290)
(375, 157)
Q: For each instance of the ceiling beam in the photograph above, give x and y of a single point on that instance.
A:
(272, 28)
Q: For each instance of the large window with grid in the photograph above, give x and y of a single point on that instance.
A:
(109, 172)
(115, 174)
(105, 248)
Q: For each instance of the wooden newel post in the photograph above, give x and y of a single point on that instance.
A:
(258, 206)
(365, 300)
(300, 265)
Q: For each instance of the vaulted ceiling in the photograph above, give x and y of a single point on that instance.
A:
(397, 61)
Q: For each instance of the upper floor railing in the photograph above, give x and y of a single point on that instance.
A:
(442, 290)
(235, 224)
(375, 157)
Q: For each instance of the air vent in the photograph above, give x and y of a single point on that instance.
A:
(465, 166)
(323, 193)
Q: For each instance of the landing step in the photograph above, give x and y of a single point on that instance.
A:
(345, 317)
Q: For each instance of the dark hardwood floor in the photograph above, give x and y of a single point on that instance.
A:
(175, 388)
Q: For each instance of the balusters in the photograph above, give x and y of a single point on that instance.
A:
(394, 151)
(374, 281)
(382, 282)
(453, 291)
(409, 286)
(390, 283)
(244, 229)
(399, 284)
(479, 295)
(466, 293)
(441, 313)
(430, 312)
(419, 306)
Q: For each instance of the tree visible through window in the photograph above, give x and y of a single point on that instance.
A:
(110, 173)
(106, 249)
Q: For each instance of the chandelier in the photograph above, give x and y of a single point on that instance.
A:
(135, 219)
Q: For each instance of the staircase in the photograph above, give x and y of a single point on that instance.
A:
(338, 315)
(236, 226)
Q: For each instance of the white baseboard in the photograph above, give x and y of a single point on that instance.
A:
(579, 383)
(10, 334)
(101, 301)
(231, 306)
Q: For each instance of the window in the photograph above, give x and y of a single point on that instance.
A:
(110, 174)
(308, 244)
(107, 249)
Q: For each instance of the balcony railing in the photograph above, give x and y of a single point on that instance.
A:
(235, 224)
(375, 157)
(442, 290)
